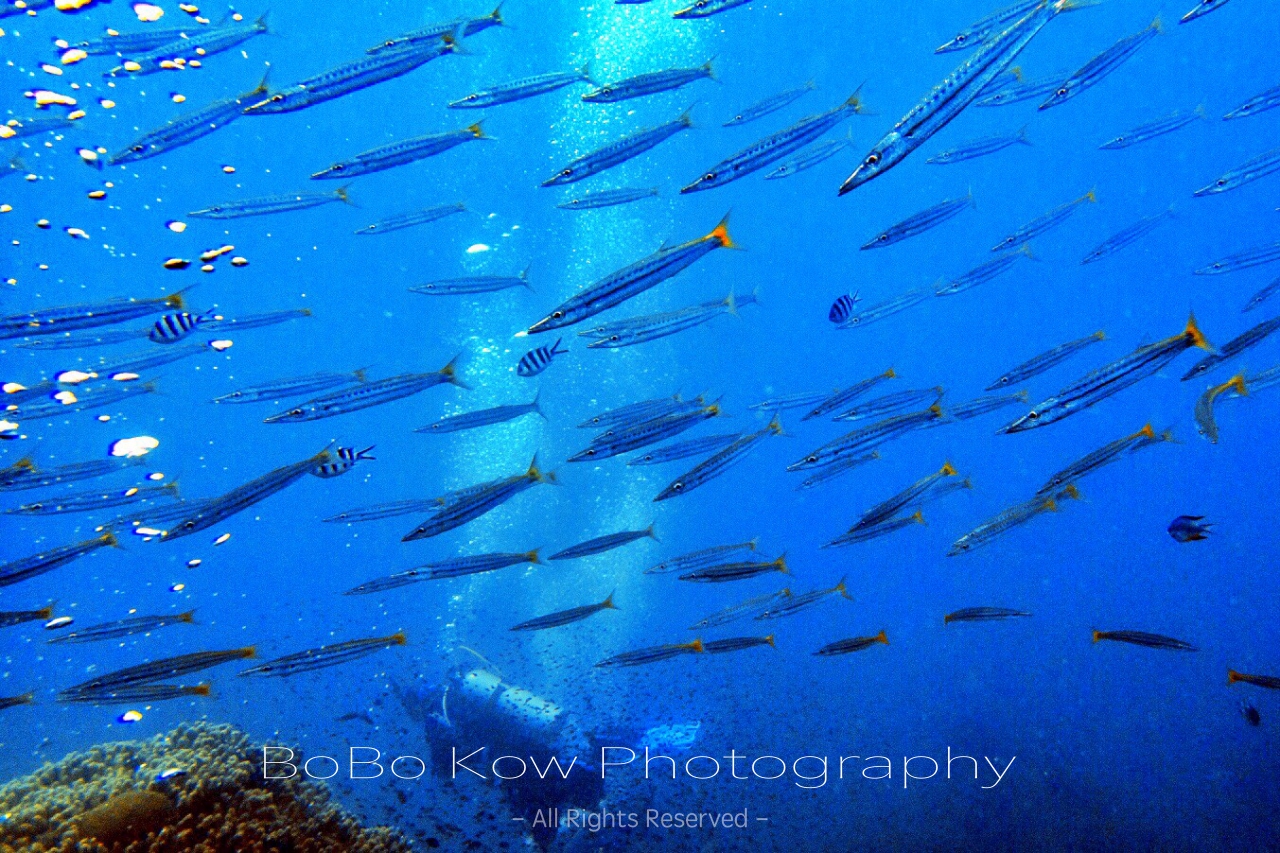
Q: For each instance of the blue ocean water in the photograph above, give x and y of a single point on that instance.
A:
(1117, 746)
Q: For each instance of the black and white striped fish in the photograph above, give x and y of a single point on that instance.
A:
(345, 459)
(174, 327)
(536, 360)
(842, 308)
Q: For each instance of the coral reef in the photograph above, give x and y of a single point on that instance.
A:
(196, 788)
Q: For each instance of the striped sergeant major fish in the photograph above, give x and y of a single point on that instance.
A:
(608, 198)
(1006, 520)
(525, 87)
(988, 28)
(357, 74)
(1045, 223)
(1246, 173)
(566, 617)
(400, 153)
(484, 417)
(153, 672)
(264, 205)
(539, 359)
(1098, 68)
(1127, 236)
(371, 393)
(187, 128)
(466, 28)
(772, 148)
(842, 308)
(982, 614)
(600, 544)
(649, 84)
(1153, 129)
(631, 281)
(1232, 348)
(344, 459)
(172, 328)
(193, 45)
(125, 627)
(979, 148)
(1268, 100)
(1206, 424)
(324, 656)
(216, 510)
(1142, 638)
(408, 220)
(921, 222)
(652, 654)
(852, 644)
(950, 97)
(808, 158)
(70, 318)
(769, 105)
(719, 462)
(619, 151)
(297, 386)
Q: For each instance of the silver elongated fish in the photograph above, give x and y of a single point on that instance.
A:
(1206, 423)
(769, 105)
(1044, 361)
(1262, 295)
(983, 273)
(473, 284)
(525, 87)
(95, 499)
(789, 402)
(25, 568)
(1127, 236)
(737, 570)
(600, 544)
(109, 337)
(1044, 223)
(1234, 347)
(70, 318)
(140, 361)
(789, 605)
(985, 405)
(374, 392)
(837, 470)
(981, 614)
(684, 449)
(1247, 259)
(1006, 520)
(187, 128)
(391, 509)
(1268, 100)
(193, 45)
(889, 404)
(1103, 456)
(1202, 7)
(718, 463)
(1097, 69)
(565, 617)
(918, 223)
(1153, 129)
(1246, 173)
(140, 41)
(1025, 90)
(979, 148)
(844, 396)
(608, 198)
(433, 32)
(741, 610)
(950, 97)
(245, 322)
(642, 411)
(652, 654)
(868, 437)
(890, 507)
(401, 153)
(414, 217)
(18, 128)
(619, 151)
(152, 672)
(83, 400)
(809, 157)
(484, 417)
(324, 656)
(700, 558)
(617, 442)
(887, 308)
(125, 627)
(74, 472)
(455, 567)
(264, 205)
(283, 389)
(648, 84)
(988, 28)
(478, 501)
(707, 8)
(643, 329)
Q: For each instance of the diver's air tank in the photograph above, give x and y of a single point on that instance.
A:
(483, 699)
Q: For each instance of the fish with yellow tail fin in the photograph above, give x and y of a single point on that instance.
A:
(737, 571)
(1010, 518)
(1142, 638)
(791, 604)
(1044, 223)
(719, 462)
(1271, 682)
(653, 654)
(1206, 424)
(566, 617)
(737, 644)
(25, 568)
(479, 500)
(1234, 347)
(1108, 453)
(325, 656)
(853, 644)
(888, 508)
(402, 152)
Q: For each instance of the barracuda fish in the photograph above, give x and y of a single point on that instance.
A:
(775, 146)
(1232, 348)
(868, 437)
(152, 672)
(985, 405)
(401, 153)
(368, 394)
(1202, 7)
(989, 27)
(1262, 295)
(793, 603)
(1098, 68)
(950, 97)
(652, 654)
(1127, 237)
(108, 338)
(94, 500)
(142, 361)
(1255, 257)
(618, 152)
(39, 564)
(736, 644)
(138, 693)
(684, 449)
(39, 478)
(845, 396)
(700, 558)
(1142, 638)
(83, 400)
(718, 463)
(48, 321)
(853, 644)
(808, 158)
(479, 501)
(608, 198)
(838, 469)
(149, 516)
(484, 417)
(1045, 223)
(600, 544)
(466, 28)
(736, 571)
(445, 569)
(1111, 378)
(187, 128)
(644, 410)
(257, 321)
(282, 203)
(324, 656)
(1247, 173)
(921, 222)
(742, 610)
(566, 617)
(473, 284)
(1151, 130)
(1206, 424)
(769, 105)
(391, 509)
(1268, 100)
(525, 87)
(877, 530)
(135, 42)
(20, 470)
(891, 403)
(979, 148)
(789, 402)
(983, 273)
(192, 45)
(283, 389)
(1006, 520)
(639, 330)
(355, 75)
(408, 220)
(707, 8)
(1268, 681)
(889, 507)
(982, 614)
(1046, 360)
(18, 128)
(1026, 90)
(1103, 456)
(887, 308)
(649, 84)
(631, 281)
(125, 627)
(12, 618)
(616, 442)
(217, 510)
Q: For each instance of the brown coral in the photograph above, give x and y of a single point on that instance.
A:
(105, 800)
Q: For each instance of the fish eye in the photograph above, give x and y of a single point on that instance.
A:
(1033, 415)
(470, 97)
(872, 159)
(556, 315)
(811, 459)
(296, 413)
(606, 91)
(677, 487)
(337, 167)
(962, 38)
(1222, 182)
(277, 98)
(1063, 90)
(883, 237)
(389, 43)
(138, 148)
(709, 176)
(613, 337)
(566, 173)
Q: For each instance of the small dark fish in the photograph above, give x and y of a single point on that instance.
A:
(136, 693)
(15, 701)
(537, 360)
(345, 458)
(653, 654)
(1189, 528)
(1271, 682)
(1142, 638)
(982, 614)
(737, 644)
(854, 644)
(25, 568)
(324, 656)
(565, 617)
(1250, 713)
(736, 571)
(351, 716)
(603, 543)
(842, 308)
(17, 617)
